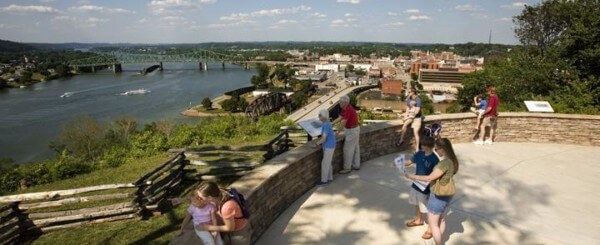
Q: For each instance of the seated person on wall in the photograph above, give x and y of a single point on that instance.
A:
(479, 109)
(235, 228)
(415, 123)
(410, 114)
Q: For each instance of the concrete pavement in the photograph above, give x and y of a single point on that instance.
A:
(508, 193)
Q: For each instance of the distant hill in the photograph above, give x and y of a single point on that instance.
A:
(14, 47)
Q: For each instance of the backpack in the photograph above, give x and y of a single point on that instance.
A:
(241, 201)
(434, 130)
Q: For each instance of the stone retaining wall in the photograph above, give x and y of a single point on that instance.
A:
(274, 186)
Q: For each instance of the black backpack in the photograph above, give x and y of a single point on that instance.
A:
(239, 198)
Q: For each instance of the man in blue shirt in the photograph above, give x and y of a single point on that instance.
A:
(425, 160)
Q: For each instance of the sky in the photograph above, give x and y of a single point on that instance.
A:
(195, 21)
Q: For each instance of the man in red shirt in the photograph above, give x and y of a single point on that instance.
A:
(351, 136)
(489, 118)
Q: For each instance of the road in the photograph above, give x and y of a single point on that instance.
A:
(325, 102)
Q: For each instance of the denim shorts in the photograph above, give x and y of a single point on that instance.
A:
(438, 204)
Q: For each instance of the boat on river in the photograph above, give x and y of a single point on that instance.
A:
(136, 92)
(67, 94)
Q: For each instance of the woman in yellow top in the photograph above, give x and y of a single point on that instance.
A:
(442, 174)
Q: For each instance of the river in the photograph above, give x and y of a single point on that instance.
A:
(32, 117)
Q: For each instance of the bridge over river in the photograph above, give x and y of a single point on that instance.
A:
(202, 57)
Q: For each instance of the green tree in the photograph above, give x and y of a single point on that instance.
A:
(298, 99)
(350, 67)
(207, 103)
(25, 77)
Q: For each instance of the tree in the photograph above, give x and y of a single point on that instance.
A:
(25, 77)
(207, 103)
(260, 79)
(235, 104)
(84, 137)
(541, 25)
(298, 99)
(353, 100)
(350, 67)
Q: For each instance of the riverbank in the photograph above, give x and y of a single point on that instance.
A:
(192, 112)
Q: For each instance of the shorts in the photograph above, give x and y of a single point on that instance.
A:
(417, 198)
(437, 204)
(417, 123)
(480, 112)
(489, 121)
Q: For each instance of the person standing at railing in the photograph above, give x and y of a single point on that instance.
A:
(349, 119)
(328, 141)
(490, 115)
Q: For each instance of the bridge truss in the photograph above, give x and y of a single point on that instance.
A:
(198, 56)
(266, 105)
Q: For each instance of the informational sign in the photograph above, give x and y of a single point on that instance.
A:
(312, 126)
(538, 106)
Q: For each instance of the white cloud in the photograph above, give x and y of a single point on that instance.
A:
(82, 2)
(287, 22)
(467, 8)
(264, 12)
(395, 24)
(142, 21)
(99, 9)
(46, 1)
(515, 5)
(64, 18)
(392, 14)
(504, 19)
(93, 21)
(349, 1)
(318, 15)
(419, 17)
(348, 22)
(348, 14)
(412, 11)
(175, 6)
(224, 25)
(20, 9)
(173, 18)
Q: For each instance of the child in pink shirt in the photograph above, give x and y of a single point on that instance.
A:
(201, 212)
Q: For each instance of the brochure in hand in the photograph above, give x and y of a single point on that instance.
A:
(399, 162)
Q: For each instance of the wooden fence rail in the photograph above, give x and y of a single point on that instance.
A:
(22, 216)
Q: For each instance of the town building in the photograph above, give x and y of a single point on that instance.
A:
(391, 87)
(327, 67)
(442, 79)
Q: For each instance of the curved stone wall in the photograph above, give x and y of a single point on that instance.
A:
(274, 186)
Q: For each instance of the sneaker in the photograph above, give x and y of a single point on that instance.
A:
(344, 171)
(488, 142)
(478, 142)
(353, 168)
(322, 183)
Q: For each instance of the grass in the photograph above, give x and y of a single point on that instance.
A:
(156, 230)
(126, 173)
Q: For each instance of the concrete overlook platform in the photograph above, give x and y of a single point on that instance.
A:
(508, 193)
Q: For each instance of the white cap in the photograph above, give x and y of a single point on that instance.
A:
(324, 113)
(345, 98)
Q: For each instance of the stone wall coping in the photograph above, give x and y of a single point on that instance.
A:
(288, 168)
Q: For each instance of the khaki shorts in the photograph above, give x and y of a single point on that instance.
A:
(417, 198)
(416, 123)
(489, 121)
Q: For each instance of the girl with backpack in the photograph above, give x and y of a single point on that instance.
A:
(235, 228)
